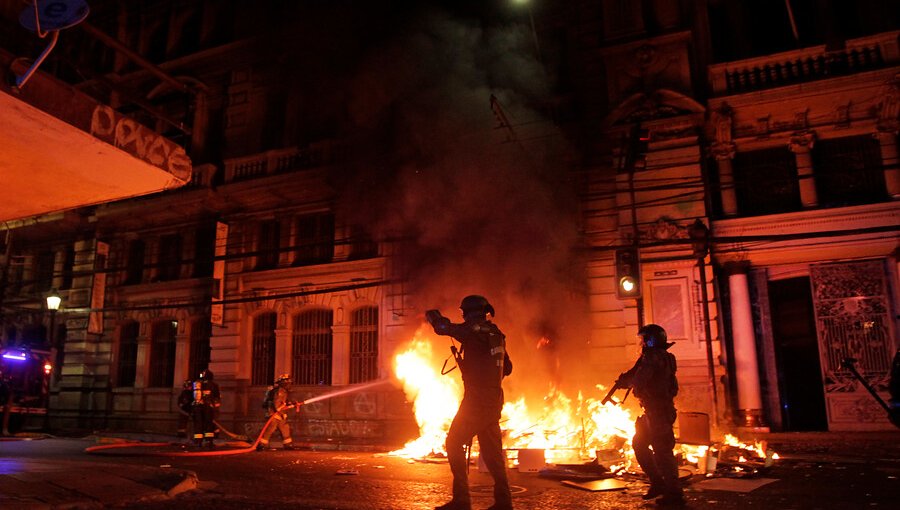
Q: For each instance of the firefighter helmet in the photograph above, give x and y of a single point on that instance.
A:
(476, 303)
(653, 335)
(283, 378)
(206, 375)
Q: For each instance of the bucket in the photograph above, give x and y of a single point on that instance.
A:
(531, 460)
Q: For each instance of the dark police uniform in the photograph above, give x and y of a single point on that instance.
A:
(653, 380)
(483, 362)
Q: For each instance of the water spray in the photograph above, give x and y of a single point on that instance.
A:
(251, 447)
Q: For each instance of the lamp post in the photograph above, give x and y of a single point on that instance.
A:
(53, 302)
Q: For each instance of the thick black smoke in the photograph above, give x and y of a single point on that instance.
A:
(479, 194)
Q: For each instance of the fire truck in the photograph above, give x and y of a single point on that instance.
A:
(24, 385)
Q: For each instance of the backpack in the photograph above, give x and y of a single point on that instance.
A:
(268, 402)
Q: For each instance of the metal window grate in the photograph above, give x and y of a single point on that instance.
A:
(162, 354)
(313, 347)
(364, 345)
(263, 359)
(765, 182)
(199, 347)
(849, 171)
(128, 347)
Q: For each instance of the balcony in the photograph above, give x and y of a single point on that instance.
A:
(277, 161)
(805, 65)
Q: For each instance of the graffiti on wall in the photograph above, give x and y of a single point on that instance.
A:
(143, 143)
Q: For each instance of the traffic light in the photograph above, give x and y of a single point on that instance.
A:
(628, 273)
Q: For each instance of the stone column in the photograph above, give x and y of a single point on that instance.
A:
(340, 354)
(800, 145)
(889, 158)
(283, 349)
(745, 360)
(724, 153)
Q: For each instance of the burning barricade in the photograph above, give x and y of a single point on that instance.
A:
(560, 437)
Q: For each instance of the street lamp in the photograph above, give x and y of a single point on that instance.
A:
(53, 302)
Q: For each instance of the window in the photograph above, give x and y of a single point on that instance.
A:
(313, 347)
(204, 251)
(364, 345)
(44, 271)
(199, 347)
(765, 182)
(169, 263)
(849, 171)
(128, 347)
(315, 239)
(361, 244)
(68, 272)
(268, 245)
(134, 269)
(162, 354)
(262, 369)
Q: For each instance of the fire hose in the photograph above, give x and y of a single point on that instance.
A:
(234, 451)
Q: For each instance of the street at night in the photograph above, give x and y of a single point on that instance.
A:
(816, 471)
(449, 254)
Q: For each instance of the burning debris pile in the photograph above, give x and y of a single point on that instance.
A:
(561, 436)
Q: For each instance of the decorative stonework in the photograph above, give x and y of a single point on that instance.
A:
(664, 229)
(802, 142)
(889, 107)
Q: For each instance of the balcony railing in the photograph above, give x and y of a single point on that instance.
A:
(277, 161)
(809, 64)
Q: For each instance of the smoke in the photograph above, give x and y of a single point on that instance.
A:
(481, 207)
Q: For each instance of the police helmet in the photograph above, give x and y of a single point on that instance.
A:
(206, 375)
(476, 303)
(653, 335)
(283, 379)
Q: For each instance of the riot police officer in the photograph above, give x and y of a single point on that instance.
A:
(277, 404)
(653, 380)
(483, 361)
(204, 408)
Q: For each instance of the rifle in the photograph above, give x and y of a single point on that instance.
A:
(609, 395)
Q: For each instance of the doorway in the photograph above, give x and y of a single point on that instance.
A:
(797, 355)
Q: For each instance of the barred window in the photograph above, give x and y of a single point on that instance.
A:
(849, 171)
(162, 354)
(313, 347)
(199, 347)
(262, 369)
(364, 345)
(128, 347)
(765, 182)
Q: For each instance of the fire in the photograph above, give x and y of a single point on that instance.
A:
(436, 397)
(566, 428)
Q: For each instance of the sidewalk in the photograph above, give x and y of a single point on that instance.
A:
(45, 481)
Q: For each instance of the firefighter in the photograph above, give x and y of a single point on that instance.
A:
(653, 380)
(276, 405)
(483, 361)
(204, 408)
(185, 401)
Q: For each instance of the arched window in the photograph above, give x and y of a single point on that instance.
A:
(199, 347)
(262, 370)
(313, 347)
(128, 347)
(364, 345)
(162, 354)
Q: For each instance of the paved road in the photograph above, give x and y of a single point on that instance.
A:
(818, 471)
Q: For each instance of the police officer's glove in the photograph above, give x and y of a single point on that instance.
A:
(433, 316)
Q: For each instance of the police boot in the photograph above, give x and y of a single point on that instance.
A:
(671, 499)
(653, 492)
(454, 504)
